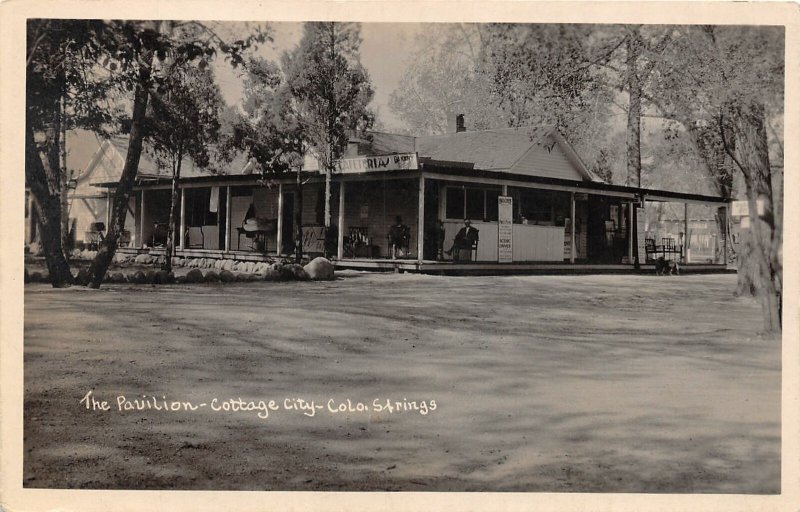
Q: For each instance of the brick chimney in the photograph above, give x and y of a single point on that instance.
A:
(460, 123)
(455, 123)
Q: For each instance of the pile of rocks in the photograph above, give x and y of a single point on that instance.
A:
(220, 271)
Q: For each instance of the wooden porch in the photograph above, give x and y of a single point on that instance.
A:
(494, 268)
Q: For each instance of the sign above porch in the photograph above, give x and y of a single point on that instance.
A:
(396, 162)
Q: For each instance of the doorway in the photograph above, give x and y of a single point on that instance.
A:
(287, 230)
(433, 235)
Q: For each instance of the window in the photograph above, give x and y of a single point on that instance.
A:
(455, 203)
(491, 205)
(534, 206)
(471, 203)
(476, 204)
(197, 205)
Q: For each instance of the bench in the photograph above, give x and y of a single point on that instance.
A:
(665, 250)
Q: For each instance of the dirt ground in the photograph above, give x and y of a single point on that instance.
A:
(540, 383)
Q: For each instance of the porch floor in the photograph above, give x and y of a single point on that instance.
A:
(489, 268)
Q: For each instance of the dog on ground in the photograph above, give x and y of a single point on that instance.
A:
(665, 267)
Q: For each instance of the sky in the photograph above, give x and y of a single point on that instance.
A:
(385, 52)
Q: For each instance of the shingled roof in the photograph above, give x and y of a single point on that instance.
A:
(149, 169)
(485, 149)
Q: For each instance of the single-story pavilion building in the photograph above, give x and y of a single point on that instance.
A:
(535, 204)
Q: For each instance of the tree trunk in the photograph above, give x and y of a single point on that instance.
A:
(66, 244)
(746, 265)
(327, 198)
(753, 157)
(47, 199)
(108, 246)
(327, 210)
(298, 219)
(634, 135)
(173, 214)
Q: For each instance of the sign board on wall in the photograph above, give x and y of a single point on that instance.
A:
(641, 234)
(742, 208)
(505, 229)
(398, 162)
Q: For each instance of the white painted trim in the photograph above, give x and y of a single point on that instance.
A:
(543, 186)
(108, 209)
(572, 155)
(228, 220)
(340, 227)
(572, 250)
(631, 228)
(96, 156)
(685, 231)
(279, 234)
(141, 222)
(664, 199)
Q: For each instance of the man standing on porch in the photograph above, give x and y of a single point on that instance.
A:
(399, 237)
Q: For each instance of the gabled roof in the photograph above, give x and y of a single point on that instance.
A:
(149, 169)
(486, 149)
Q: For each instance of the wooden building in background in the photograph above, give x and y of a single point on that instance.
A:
(561, 216)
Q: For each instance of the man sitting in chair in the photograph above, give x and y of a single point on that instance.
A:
(465, 240)
(399, 238)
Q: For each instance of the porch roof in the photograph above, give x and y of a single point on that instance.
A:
(577, 186)
(429, 167)
(488, 155)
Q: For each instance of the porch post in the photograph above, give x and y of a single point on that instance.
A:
(572, 227)
(182, 234)
(505, 189)
(630, 233)
(685, 232)
(108, 209)
(228, 220)
(340, 229)
(141, 222)
(279, 234)
(421, 219)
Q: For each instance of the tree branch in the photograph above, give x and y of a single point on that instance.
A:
(728, 148)
(41, 35)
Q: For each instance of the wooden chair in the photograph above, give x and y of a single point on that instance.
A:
(466, 253)
(357, 242)
(650, 249)
(669, 248)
